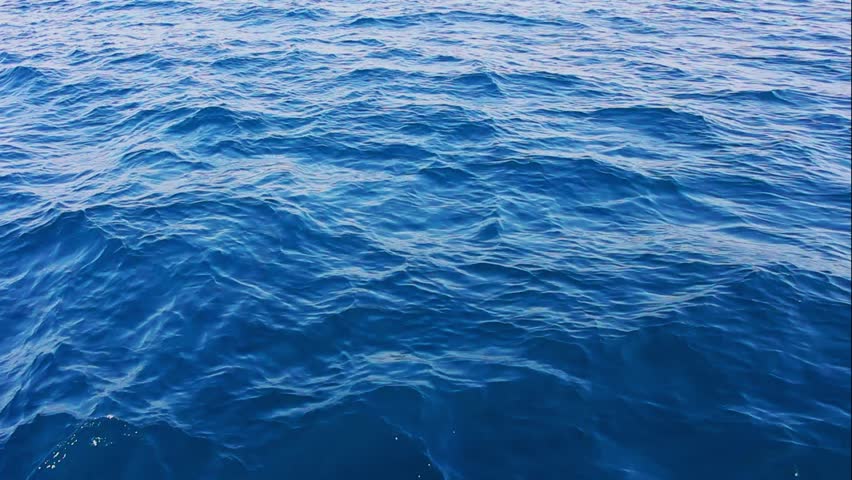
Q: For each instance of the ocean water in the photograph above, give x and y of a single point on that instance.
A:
(425, 239)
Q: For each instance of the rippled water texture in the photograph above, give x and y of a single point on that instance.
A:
(425, 239)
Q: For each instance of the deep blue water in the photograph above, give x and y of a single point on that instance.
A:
(425, 239)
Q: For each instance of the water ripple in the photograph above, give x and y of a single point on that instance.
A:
(424, 239)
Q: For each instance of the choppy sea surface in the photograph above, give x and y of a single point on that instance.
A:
(425, 239)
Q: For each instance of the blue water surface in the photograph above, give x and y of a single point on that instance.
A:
(425, 239)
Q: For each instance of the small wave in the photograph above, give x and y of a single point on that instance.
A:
(777, 96)
(259, 15)
(13, 152)
(161, 161)
(479, 83)
(662, 122)
(215, 118)
(146, 60)
(20, 77)
(510, 19)
(458, 16)
(632, 25)
(168, 5)
(379, 73)
(398, 22)
(243, 63)
(7, 58)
